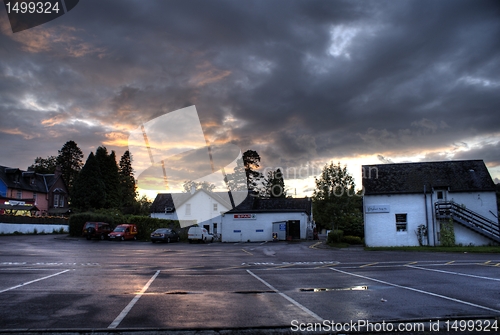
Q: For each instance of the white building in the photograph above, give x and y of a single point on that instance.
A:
(201, 207)
(258, 219)
(254, 219)
(400, 198)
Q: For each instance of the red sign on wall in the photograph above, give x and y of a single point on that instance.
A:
(244, 216)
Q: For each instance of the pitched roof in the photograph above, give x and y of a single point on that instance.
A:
(27, 180)
(249, 204)
(457, 176)
(277, 205)
(164, 200)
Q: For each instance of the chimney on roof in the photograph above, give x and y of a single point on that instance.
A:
(58, 171)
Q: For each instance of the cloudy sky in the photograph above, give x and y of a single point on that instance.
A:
(302, 83)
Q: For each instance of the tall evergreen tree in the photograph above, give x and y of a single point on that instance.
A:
(127, 182)
(44, 165)
(251, 161)
(88, 188)
(70, 159)
(110, 177)
(274, 185)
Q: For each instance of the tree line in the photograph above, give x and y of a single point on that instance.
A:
(100, 183)
(246, 177)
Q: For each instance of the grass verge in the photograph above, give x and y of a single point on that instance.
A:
(471, 249)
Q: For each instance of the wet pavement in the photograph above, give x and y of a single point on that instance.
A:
(53, 282)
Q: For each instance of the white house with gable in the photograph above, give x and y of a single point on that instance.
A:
(401, 200)
(198, 207)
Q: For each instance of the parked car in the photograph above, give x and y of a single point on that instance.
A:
(96, 230)
(165, 235)
(199, 234)
(124, 232)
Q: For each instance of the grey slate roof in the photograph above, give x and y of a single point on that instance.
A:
(457, 176)
(277, 205)
(19, 179)
(249, 205)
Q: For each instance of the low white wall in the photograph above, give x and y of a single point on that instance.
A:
(9, 228)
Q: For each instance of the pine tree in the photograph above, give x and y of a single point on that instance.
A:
(70, 159)
(88, 188)
(251, 161)
(127, 182)
(110, 177)
(274, 185)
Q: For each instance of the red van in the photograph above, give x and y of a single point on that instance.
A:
(96, 230)
(124, 232)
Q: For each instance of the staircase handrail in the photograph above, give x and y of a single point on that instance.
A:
(470, 216)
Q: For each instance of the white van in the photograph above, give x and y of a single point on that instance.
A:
(199, 234)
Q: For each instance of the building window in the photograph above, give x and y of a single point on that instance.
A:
(56, 200)
(188, 209)
(215, 207)
(34, 197)
(440, 195)
(61, 201)
(401, 222)
(19, 194)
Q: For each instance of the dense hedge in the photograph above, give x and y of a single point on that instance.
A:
(32, 219)
(77, 221)
(145, 224)
(335, 236)
(352, 239)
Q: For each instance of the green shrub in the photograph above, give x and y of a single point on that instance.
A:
(335, 236)
(146, 225)
(77, 221)
(447, 234)
(352, 239)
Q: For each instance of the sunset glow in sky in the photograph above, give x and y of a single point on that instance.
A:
(302, 83)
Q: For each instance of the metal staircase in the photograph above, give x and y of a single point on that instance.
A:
(468, 218)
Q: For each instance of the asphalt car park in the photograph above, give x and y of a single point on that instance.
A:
(61, 283)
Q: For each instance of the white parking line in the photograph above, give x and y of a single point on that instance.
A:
(303, 308)
(453, 273)
(32, 281)
(131, 304)
(419, 291)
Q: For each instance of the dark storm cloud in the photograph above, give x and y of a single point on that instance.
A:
(300, 80)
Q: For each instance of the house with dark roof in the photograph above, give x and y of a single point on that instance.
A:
(409, 204)
(31, 193)
(237, 216)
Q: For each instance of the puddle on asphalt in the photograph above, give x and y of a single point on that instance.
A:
(352, 288)
(253, 292)
(181, 292)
